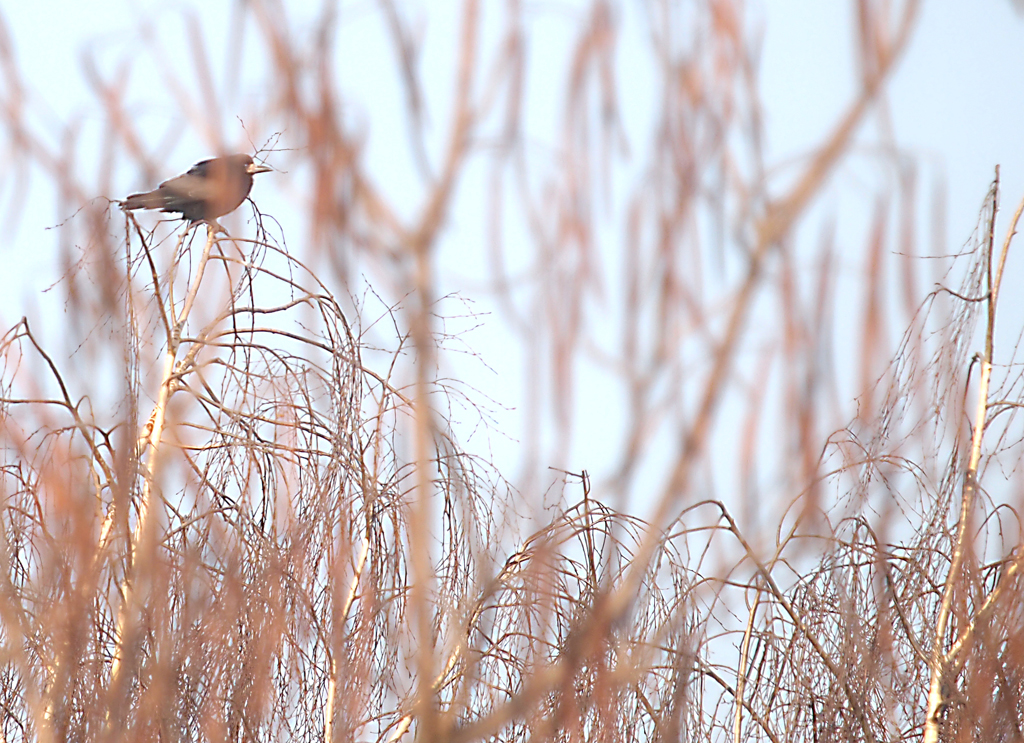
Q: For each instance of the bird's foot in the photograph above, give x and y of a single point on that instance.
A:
(214, 226)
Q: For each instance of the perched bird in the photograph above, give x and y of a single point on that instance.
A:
(210, 189)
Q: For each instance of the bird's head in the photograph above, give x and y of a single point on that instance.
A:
(252, 168)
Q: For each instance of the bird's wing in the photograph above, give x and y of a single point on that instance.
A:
(201, 168)
(190, 187)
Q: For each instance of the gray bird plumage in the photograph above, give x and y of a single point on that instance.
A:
(210, 189)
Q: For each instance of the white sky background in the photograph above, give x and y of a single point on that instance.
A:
(956, 105)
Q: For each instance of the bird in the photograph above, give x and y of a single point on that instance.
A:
(210, 189)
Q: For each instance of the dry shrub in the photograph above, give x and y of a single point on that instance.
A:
(239, 509)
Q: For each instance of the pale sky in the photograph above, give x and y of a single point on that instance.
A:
(955, 105)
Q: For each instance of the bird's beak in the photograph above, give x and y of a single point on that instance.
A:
(253, 169)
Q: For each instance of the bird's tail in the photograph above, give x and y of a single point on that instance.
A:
(148, 200)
